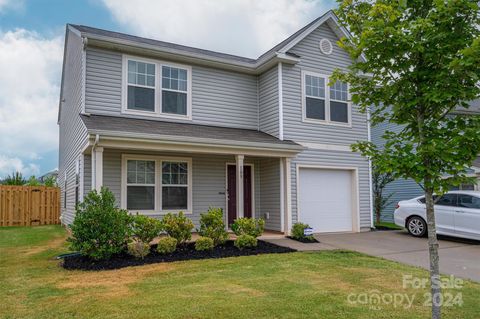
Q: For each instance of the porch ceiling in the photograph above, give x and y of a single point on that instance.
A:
(132, 133)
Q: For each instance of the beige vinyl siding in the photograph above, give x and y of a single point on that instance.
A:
(208, 174)
(335, 159)
(220, 98)
(270, 193)
(400, 189)
(72, 133)
(311, 59)
(268, 102)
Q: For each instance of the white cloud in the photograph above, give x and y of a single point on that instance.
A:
(242, 27)
(29, 88)
(8, 165)
(11, 4)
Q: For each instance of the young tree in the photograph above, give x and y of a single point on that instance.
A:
(379, 181)
(15, 179)
(416, 61)
(33, 181)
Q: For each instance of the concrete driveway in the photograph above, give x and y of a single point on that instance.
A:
(457, 256)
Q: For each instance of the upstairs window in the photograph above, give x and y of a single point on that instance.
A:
(141, 86)
(174, 90)
(323, 103)
(156, 88)
(315, 97)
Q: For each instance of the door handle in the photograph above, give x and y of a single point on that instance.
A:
(459, 211)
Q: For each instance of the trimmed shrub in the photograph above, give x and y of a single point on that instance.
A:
(204, 243)
(245, 241)
(138, 249)
(145, 228)
(167, 245)
(212, 226)
(178, 226)
(298, 234)
(100, 229)
(248, 226)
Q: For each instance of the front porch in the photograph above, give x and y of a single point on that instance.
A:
(192, 183)
(246, 178)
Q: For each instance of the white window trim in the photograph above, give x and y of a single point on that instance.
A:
(158, 183)
(327, 99)
(158, 88)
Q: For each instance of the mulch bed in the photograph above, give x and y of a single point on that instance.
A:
(186, 252)
(305, 241)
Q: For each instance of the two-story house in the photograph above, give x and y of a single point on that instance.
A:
(171, 128)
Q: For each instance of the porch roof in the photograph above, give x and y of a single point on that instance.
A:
(163, 131)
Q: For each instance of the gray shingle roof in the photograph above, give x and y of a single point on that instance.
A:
(169, 45)
(95, 123)
(160, 44)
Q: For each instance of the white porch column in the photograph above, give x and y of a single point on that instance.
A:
(287, 195)
(239, 165)
(97, 168)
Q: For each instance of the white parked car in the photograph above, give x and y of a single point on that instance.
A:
(457, 213)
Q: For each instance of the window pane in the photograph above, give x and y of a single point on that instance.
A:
(174, 102)
(151, 69)
(174, 173)
(338, 112)
(140, 197)
(315, 109)
(174, 198)
(174, 78)
(140, 172)
(339, 91)
(447, 200)
(150, 80)
(468, 201)
(141, 98)
(132, 66)
(131, 177)
(314, 86)
(141, 73)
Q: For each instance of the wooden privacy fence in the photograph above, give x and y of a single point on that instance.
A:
(29, 205)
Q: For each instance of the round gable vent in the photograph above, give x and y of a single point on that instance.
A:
(326, 46)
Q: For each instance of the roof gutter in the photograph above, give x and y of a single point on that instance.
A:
(193, 140)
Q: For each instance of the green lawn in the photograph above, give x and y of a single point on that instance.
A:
(295, 285)
(388, 225)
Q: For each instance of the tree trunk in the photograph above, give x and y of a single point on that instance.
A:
(434, 259)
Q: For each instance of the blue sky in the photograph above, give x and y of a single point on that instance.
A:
(31, 53)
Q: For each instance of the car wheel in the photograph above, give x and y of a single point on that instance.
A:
(416, 226)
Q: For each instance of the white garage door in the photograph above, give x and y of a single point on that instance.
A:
(325, 199)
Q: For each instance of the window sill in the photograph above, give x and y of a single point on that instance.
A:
(154, 213)
(156, 114)
(325, 122)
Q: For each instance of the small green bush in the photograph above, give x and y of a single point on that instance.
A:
(178, 226)
(100, 229)
(138, 249)
(204, 243)
(245, 241)
(167, 245)
(145, 228)
(297, 232)
(248, 226)
(212, 226)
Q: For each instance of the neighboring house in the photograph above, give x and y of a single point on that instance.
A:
(171, 128)
(402, 189)
(50, 174)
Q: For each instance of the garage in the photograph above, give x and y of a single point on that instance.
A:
(326, 199)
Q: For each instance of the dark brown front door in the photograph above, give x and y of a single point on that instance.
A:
(232, 192)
